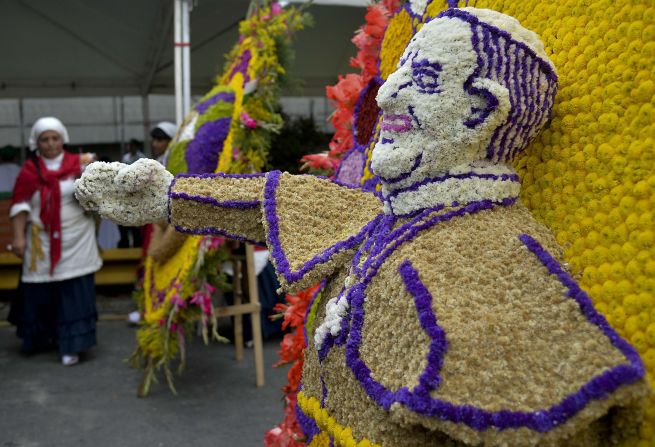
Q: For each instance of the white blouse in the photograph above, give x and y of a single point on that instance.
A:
(79, 251)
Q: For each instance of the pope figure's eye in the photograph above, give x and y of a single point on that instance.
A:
(426, 76)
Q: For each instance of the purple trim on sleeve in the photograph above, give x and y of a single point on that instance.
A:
(217, 232)
(273, 236)
(587, 308)
(429, 379)
(211, 201)
(168, 204)
(220, 174)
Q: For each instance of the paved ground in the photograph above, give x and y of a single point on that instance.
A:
(44, 404)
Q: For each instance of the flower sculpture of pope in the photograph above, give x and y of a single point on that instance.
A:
(447, 316)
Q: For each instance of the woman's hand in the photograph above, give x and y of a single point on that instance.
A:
(131, 195)
(87, 158)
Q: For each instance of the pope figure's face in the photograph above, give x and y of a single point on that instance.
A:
(424, 106)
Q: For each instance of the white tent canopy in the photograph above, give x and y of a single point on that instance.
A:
(69, 48)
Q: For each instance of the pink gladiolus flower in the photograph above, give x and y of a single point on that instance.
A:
(247, 121)
(276, 8)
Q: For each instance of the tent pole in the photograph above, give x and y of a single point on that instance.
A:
(186, 60)
(182, 60)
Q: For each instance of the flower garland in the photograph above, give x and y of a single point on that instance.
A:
(229, 130)
(299, 308)
(345, 93)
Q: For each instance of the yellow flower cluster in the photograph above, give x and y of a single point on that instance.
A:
(590, 175)
(225, 159)
(368, 153)
(399, 33)
(177, 267)
(343, 436)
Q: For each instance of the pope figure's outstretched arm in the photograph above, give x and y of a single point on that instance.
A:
(145, 192)
(311, 225)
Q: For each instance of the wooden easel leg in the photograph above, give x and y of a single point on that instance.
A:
(238, 319)
(253, 296)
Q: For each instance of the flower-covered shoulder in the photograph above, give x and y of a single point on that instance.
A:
(309, 239)
(473, 292)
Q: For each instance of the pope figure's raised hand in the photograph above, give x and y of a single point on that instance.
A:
(130, 195)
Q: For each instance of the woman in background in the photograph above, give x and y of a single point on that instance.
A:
(56, 240)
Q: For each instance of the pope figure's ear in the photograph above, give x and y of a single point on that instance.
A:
(495, 108)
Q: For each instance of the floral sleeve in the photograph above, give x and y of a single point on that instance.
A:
(218, 204)
(311, 225)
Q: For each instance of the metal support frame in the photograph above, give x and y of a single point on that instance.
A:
(182, 60)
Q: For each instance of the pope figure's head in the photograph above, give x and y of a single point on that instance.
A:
(472, 86)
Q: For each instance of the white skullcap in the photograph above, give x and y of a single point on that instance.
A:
(43, 124)
(168, 128)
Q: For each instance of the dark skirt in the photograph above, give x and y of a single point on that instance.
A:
(61, 313)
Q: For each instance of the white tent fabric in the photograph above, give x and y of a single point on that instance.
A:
(69, 48)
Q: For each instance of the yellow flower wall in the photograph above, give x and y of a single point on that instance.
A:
(590, 175)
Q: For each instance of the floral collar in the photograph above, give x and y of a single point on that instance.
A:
(460, 186)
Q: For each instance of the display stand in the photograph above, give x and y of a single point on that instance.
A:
(242, 259)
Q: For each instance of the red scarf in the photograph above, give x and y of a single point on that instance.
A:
(47, 183)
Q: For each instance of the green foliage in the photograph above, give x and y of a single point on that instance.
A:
(298, 137)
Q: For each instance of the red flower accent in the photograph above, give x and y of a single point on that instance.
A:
(318, 161)
(288, 432)
(345, 93)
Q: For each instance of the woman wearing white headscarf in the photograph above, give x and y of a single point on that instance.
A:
(56, 240)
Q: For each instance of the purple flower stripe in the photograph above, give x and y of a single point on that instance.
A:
(429, 379)
(221, 96)
(401, 177)
(211, 201)
(218, 232)
(220, 174)
(585, 303)
(473, 20)
(324, 392)
(203, 150)
(242, 66)
(441, 178)
(491, 100)
(389, 245)
(307, 424)
(277, 253)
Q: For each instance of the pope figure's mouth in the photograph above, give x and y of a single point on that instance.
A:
(396, 123)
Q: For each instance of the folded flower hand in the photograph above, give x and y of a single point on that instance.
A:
(131, 195)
